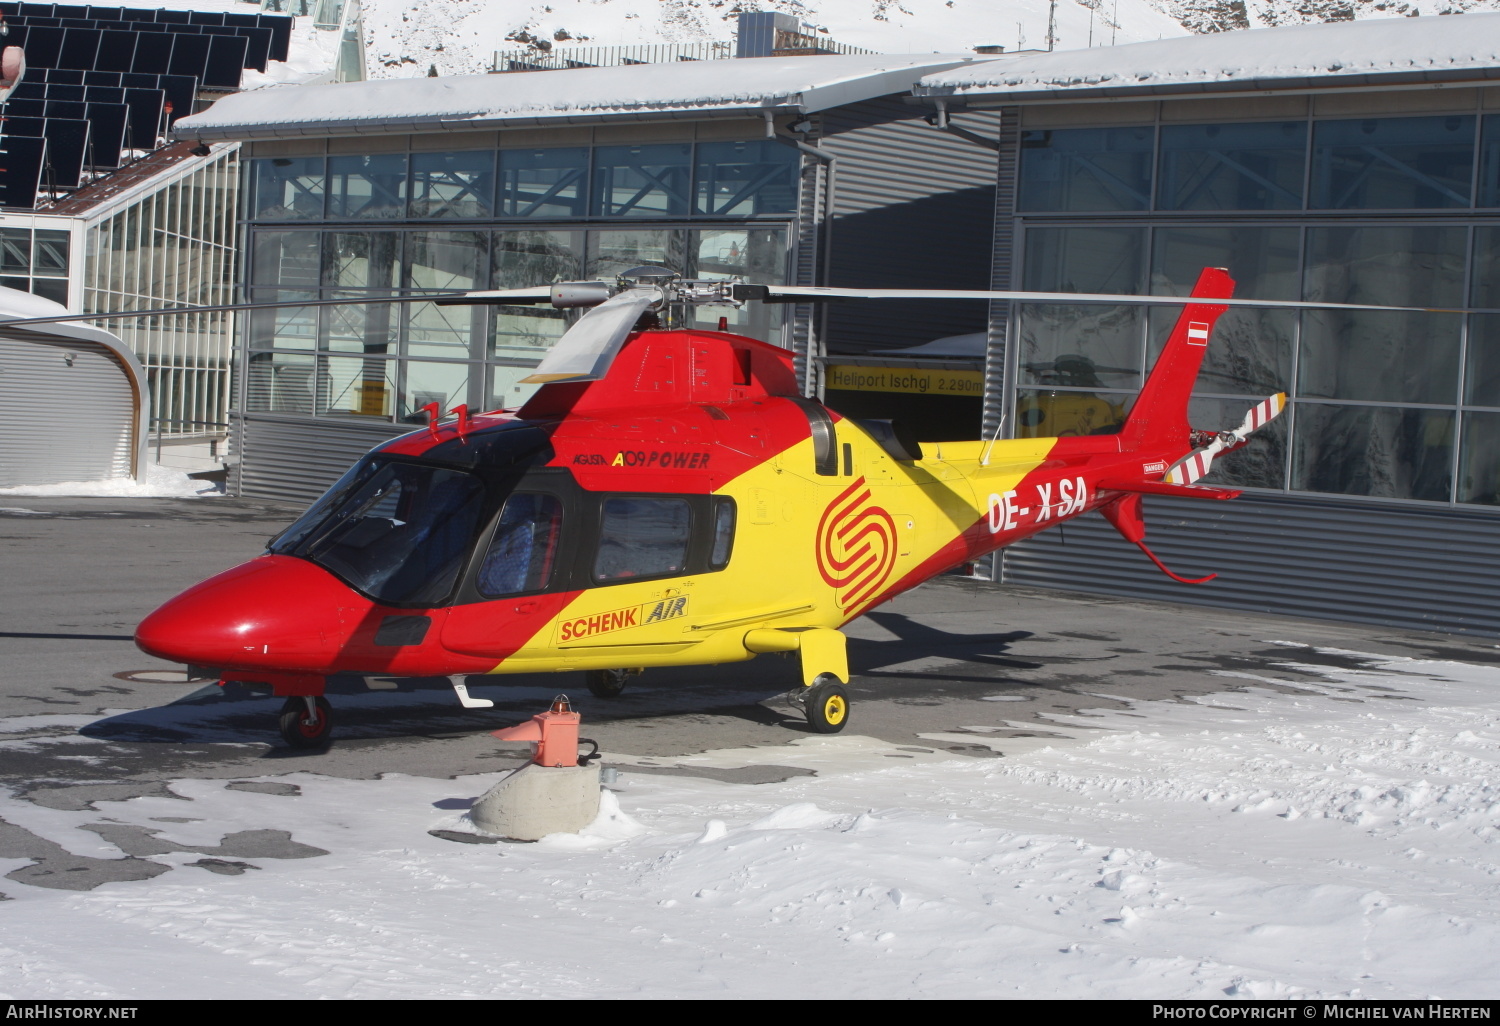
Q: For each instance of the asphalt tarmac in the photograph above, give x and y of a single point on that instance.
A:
(956, 665)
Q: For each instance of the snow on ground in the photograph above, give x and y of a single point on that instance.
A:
(1288, 840)
(159, 482)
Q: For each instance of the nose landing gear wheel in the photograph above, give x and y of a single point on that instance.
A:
(607, 683)
(301, 730)
(827, 706)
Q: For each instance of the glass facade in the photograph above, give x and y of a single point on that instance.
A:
(322, 227)
(1383, 210)
(173, 246)
(35, 260)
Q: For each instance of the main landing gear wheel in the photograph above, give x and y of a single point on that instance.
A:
(304, 728)
(827, 706)
(607, 683)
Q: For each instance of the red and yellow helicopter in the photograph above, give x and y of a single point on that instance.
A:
(666, 497)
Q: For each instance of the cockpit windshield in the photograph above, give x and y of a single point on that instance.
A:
(399, 532)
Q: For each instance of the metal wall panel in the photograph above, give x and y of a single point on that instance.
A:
(1406, 568)
(295, 459)
(68, 412)
(913, 208)
(1002, 274)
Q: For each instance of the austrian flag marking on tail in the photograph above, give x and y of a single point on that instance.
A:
(1197, 333)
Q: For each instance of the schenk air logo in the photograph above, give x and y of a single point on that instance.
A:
(621, 619)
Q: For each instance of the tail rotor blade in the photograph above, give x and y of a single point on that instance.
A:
(1197, 463)
(1260, 415)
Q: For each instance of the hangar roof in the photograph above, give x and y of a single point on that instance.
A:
(689, 89)
(1383, 51)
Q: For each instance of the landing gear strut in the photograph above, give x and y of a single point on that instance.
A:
(306, 722)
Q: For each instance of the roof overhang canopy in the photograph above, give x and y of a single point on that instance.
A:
(1448, 49)
(653, 92)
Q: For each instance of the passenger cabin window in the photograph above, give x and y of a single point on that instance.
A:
(723, 534)
(523, 549)
(642, 537)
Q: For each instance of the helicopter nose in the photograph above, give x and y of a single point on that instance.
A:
(274, 612)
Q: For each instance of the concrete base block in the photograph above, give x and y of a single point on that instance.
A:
(535, 801)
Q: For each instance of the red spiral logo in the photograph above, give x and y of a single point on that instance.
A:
(856, 545)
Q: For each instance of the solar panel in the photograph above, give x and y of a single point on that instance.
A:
(116, 49)
(21, 161)
(74, 110)
(71, 76)
(153, 53)
(43, 46)
(281, 31)
(25, 108)
(106, 13)
(226, 60)
(190, 56)
(66, 92)
(107, 123)
(181, 90)
(70, 11)
(80, 48)
(27, 89)
(258, 43)
(99, 94)
(67, 146)
(145, 117)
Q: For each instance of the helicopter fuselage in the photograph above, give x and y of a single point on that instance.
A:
(673, 513)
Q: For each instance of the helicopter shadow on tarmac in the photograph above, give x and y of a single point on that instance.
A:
(919, 662)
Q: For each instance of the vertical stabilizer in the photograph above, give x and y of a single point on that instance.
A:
(1160, 413)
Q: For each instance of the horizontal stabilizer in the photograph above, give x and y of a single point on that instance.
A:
(1163, 488)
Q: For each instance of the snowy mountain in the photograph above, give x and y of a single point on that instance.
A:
(407, 37)
(1224, 15)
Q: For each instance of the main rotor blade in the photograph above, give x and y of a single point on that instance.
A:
(499, 297)
(814, 293)
(586, 350)
(124, 315)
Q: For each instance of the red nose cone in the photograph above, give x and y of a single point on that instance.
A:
(272, 613)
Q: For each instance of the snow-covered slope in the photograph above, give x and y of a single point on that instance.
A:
(404, 38)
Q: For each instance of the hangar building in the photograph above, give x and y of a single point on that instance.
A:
(1353, 162)
(795, 169)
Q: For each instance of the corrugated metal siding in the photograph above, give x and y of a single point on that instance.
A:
(808, 270)
(295, 459)
(67, 413)
(1425, 570)
(1002, 270)
(913, 209)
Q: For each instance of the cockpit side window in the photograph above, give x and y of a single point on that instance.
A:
(723, 546)
(642, 537)
(400, 535)
(524, 547)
